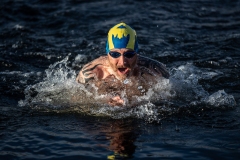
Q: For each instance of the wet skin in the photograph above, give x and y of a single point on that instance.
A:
(122, 66)
(99, 70)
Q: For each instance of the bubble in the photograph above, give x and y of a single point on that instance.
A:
(220, 99)
(15, 46)
(39, 73)
(140, 87)
(80, 58)
(126, 81)
(17, 27)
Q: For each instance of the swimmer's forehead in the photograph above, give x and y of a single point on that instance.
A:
(121, 49)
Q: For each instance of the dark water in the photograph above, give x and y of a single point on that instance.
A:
(193, 115)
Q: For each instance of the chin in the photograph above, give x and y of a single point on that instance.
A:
(123, 76)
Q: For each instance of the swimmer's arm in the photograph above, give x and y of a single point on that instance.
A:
(88, 72)
(116, 101)
(154, 65)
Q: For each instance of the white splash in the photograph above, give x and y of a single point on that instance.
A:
(59, 91)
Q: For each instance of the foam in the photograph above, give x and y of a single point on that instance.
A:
(220, 99)
(59, 91)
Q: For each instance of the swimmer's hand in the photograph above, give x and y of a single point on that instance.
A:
(116, 101)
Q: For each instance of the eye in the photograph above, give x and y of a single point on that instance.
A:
(129, 54)
(114, 54)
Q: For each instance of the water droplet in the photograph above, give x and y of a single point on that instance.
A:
(140, 87)
(126, 81)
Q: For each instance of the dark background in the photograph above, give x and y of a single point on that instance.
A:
(35, 34)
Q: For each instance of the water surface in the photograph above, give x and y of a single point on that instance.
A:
(193, 114)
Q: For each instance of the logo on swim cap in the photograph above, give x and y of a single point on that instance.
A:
(122, 36)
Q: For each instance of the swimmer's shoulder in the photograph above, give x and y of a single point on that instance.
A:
(153, 65)
(92, 70)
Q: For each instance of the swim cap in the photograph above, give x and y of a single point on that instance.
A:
(122, 36)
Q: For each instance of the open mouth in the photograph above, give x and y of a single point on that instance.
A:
(123, 70)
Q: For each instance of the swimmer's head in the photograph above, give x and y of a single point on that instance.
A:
(122, 36)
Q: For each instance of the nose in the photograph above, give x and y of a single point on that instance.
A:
(122, 60)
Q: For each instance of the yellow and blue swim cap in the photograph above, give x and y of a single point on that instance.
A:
(122, 36)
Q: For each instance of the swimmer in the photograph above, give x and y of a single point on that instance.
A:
(122, 62)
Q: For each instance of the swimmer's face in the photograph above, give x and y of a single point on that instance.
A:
(122, 61)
